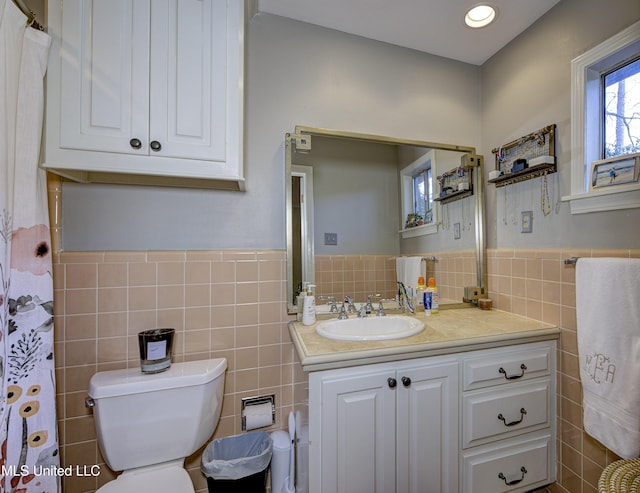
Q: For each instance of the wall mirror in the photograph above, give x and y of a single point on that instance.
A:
(350, 214)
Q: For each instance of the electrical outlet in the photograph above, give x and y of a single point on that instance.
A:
(527, 222)
(331, 238)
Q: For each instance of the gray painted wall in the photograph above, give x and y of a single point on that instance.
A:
(296, 74)
(526, 86)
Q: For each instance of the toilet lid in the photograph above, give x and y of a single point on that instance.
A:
(171, 479)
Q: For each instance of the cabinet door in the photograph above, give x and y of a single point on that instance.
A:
(104, 75)
(188, 90)
(427, 429)
(357, 437)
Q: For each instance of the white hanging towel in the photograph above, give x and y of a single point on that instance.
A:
(408, 269)
(608, 316)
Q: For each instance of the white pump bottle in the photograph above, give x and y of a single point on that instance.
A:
(309, 307)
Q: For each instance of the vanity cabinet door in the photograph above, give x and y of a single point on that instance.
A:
(352, 431)
(427, 423)
(386, 428)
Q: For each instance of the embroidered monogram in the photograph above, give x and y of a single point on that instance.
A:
(599, 368)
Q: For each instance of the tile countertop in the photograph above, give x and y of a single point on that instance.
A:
(446, 332)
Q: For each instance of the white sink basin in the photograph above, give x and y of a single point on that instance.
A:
(370, 328)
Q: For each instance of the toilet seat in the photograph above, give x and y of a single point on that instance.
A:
(169, 477)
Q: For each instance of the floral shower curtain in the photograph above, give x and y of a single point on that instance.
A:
(29, 457)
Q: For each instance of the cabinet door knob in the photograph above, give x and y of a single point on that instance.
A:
(523, 367)
(135, 143)
(392, 382)
(155, 145)
(406, 381)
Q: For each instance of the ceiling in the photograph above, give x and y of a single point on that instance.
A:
(431, 26)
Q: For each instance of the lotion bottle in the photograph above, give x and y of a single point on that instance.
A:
(435, 298)
(418, 303)
(309, 307)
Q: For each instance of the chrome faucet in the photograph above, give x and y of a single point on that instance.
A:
(402, 294)
(351, 308)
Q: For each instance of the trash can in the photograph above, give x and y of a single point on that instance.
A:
(237, 464)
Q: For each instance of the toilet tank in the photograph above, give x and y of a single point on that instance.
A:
(143, 419)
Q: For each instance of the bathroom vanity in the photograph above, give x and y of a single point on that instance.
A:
(467, 405)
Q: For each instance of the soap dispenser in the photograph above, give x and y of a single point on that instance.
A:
(309, 307)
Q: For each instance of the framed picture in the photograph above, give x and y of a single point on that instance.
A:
(621, 170)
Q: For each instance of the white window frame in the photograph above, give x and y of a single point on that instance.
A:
(586, 123)
(406, 183)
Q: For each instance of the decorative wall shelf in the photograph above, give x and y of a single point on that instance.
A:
(535, 151)
(458, 182)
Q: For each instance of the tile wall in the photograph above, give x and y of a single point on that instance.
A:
(537, 284)
(221, 303)
(231, 304)
(359, 276)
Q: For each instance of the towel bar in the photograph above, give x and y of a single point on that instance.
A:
(571, 261)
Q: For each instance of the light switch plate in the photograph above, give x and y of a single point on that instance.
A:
(331, 238)
(527, 222)
(456, 231)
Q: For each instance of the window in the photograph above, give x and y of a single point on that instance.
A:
(622, 110)
(423, 195)
(605, 118)
(418, 211)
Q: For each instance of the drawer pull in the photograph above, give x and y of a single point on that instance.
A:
(523, 411)
(523, 470)
(392, 382)
(406, 381)
(523, 367)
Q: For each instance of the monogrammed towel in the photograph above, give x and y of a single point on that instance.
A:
(608, 316)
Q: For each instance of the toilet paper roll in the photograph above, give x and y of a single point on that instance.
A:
(258, 416)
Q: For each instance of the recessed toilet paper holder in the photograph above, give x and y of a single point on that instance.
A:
(248, 402)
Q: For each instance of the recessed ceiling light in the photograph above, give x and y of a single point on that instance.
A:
(480, 16)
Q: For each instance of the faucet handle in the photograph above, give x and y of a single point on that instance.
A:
(343, 313)
(331, 302)
(363, 311)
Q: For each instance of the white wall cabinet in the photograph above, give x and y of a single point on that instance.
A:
(146, 92)
(385, 427)
(475, 422)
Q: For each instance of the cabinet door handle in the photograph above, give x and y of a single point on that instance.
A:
(406, 381)
(523, 470)
(392, 382)
(135, 143)
(155, 145)
(523, 411)
(523, 367)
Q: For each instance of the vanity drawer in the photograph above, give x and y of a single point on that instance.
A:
(515, 466)
(499, 413)
(504, 366)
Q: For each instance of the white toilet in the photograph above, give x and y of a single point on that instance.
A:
(147, 424)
